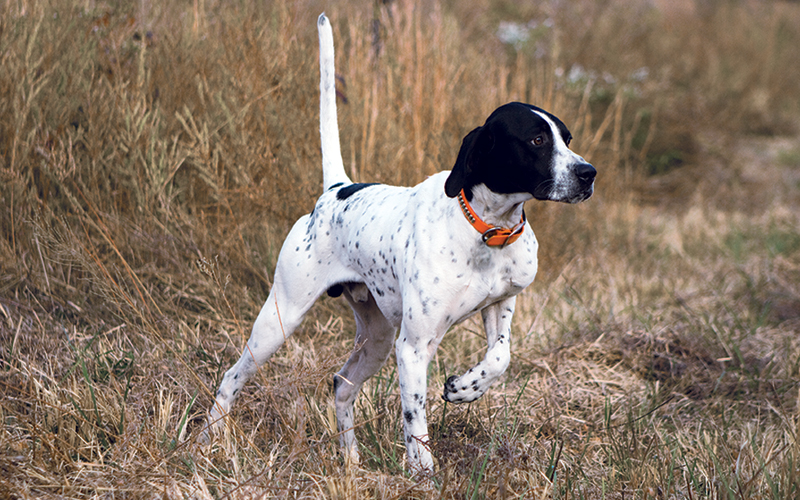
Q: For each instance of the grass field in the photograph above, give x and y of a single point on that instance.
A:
(154, 155)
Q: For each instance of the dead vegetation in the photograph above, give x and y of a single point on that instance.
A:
(154, 156)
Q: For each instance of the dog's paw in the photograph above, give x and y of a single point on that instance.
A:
(351, 456)
(205, 436)
(454, 392)
(450, 389)
(212, 426)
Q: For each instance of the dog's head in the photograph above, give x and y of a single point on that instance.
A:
(522, 149)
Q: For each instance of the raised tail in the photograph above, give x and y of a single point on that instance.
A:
(332, 164)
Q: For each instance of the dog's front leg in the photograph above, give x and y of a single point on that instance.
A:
(477, 380)
(413, 353)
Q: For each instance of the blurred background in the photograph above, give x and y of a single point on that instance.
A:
(153, 156)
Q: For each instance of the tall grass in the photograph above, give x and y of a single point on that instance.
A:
(155, 155)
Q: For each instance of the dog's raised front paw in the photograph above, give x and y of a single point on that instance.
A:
(451, 392)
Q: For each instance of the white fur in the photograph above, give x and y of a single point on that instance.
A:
(332, 165)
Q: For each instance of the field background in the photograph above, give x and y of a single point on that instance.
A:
(154, 154)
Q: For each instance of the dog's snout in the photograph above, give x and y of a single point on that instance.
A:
(585, 172)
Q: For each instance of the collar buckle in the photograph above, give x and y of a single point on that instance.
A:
(489, 234)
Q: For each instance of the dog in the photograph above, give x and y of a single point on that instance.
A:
(414, 261)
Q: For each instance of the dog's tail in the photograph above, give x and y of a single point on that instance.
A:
(332, 164)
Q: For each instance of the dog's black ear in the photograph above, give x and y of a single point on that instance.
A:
(473, 147)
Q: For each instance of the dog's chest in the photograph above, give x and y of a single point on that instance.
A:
(502, 274)
(495, 274)
(433, 273)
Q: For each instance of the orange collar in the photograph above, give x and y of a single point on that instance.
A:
(492, 236)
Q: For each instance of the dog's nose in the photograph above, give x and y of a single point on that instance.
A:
(585, 172)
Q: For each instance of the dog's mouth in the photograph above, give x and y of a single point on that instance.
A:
(549, 190)
(583, 196)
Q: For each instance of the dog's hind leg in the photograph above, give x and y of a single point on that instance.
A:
(275, 323)
(474, 383)
(374, 339)
(289, 300)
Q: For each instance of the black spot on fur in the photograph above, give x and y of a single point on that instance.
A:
(408, 415)
(350, 190)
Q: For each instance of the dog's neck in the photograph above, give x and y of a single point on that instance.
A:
(500, 210)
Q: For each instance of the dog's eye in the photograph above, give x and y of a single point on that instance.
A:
(538, 140)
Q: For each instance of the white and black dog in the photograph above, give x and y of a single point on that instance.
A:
(419, 259)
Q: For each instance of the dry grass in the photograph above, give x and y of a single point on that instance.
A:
(154, 156)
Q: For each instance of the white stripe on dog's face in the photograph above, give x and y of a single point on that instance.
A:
(566, 186)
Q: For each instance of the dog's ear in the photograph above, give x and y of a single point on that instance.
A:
(473, 148)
